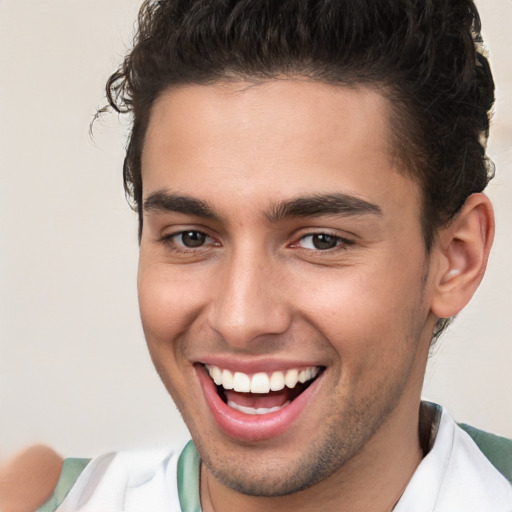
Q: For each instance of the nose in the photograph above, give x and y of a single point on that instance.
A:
(249, 301)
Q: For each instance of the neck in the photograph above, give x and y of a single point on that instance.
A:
(372, 481)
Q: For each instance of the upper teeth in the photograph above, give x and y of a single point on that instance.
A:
(260, 382)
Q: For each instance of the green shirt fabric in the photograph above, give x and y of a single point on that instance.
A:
(497, 449)
(71, 470)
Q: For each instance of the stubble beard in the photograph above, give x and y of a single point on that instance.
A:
(343, 439)
(353, 421)
(347, 429)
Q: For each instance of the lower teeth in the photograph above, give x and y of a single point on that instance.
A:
(252, 411)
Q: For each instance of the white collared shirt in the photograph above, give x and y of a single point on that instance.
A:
(453, 477)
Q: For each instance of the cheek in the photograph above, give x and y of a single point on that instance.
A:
(168, 302)
(348, 303)
(370, 314)
(166, 311)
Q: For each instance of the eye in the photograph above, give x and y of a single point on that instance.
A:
(190, 239)
(321, 242)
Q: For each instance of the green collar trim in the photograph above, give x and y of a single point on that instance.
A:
(188, 479)
(71, 470)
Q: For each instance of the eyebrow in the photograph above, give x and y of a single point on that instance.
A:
(316, 205)
(163, 201)
(323, 204)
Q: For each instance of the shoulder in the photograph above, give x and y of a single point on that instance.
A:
(497, 449)
(457, 474)
(71, 470)
(122, 481)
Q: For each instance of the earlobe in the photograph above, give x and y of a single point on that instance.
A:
(463, 249)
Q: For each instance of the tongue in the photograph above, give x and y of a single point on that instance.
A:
(257, 401)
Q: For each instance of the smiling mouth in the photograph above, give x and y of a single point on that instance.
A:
(263, 392)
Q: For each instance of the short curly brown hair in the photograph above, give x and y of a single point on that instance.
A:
(423, 55)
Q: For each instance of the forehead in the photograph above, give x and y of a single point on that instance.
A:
(272, 139)
(277, 112)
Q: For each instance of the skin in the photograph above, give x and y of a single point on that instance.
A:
(257, 289)
(28, 479)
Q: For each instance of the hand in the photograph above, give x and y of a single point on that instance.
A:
(28, 479)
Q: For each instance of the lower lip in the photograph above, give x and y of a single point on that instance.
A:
(249, 427)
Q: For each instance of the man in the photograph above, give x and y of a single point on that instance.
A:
(308, 177)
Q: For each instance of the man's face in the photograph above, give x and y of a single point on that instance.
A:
(282, 250)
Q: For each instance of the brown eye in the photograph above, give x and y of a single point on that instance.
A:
(320, 242)
(192, 239)
(323, 242)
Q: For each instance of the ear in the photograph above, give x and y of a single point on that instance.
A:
(462, 250)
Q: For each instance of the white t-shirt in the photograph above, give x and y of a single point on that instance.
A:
(453, 477)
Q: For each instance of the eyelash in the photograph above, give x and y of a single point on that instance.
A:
(340, 242)
(179, 247)
(170, 240)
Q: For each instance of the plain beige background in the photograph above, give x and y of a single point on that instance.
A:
(74, 371)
